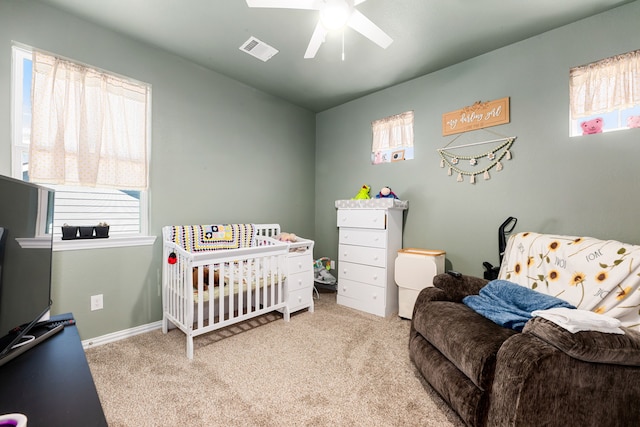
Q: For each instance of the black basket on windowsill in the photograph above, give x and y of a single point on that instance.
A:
(70, 232)
(101, 231)
(85, 232)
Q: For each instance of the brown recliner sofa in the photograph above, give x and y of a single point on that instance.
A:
(541, 376)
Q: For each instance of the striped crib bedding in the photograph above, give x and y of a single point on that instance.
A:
(214, 237)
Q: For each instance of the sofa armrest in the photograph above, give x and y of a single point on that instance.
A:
(427, 295)
(589, 346)
(456, 288)
(536, 381)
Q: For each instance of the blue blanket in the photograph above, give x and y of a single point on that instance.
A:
(510, 305)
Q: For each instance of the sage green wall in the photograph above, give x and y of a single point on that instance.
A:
(225, 152)
(554, 184)
(221, 151)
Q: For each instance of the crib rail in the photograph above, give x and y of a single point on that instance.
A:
(206, 291)
(268, 230)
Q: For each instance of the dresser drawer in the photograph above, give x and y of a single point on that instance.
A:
(376, 276)
(362, 218)
(300, 298)
(361, 297)
(363, 237)
(362, 255)
(300, 281)
(298, 264)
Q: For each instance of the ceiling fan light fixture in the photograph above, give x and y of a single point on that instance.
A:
(335, 14)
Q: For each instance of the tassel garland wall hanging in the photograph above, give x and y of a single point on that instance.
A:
(495, 156)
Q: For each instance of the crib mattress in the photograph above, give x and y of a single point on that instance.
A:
(226, 289)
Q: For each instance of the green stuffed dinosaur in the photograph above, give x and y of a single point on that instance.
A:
(363, 193)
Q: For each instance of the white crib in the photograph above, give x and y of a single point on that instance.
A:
(246, 282)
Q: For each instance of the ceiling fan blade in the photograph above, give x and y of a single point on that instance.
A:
(364, 26)
(285, 4)
(357, 2)
(317, 38)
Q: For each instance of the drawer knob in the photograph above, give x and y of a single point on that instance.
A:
(375, 277)
(375, 296)
(299, 299)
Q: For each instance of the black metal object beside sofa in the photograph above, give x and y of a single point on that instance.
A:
(542, 376)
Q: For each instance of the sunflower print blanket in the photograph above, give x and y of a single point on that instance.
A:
(602, 276)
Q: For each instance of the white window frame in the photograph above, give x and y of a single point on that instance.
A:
(617, 115)
(392, 138)
(19, 149)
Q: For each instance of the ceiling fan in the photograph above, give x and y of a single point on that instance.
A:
(334, 15)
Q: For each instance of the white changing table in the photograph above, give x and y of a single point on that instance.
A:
(300, 275)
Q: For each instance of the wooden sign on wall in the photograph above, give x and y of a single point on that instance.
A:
(477, 116)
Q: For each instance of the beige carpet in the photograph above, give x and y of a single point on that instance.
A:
(334, 367)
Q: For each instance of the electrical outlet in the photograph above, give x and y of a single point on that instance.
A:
(333, 264)
(96, 302)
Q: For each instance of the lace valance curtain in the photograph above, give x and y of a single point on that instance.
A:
(393, 132)
(606, 85)
(89, 128)
(392, 138)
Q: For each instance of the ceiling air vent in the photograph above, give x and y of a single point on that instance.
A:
(259, 49)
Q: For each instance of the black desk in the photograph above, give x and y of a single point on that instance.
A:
(51, 384)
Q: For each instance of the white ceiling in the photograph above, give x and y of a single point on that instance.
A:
(428, 35)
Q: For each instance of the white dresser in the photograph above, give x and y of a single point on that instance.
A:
(300, 275)
(370, 235)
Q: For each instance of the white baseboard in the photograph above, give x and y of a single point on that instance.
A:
(120, 335)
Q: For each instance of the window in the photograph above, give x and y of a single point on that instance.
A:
(392, 138)
(605, 95)
(48, 134)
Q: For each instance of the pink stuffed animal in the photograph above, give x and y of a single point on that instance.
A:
(633, 121)
(590, 127)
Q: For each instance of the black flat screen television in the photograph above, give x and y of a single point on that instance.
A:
(26, 243)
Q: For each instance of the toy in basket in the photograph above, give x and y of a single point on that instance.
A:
(321, 274)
